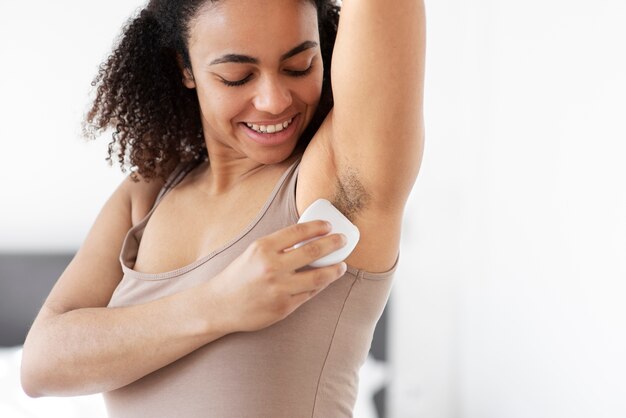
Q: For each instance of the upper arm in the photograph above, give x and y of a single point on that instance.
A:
(94, 272)
(377, 76)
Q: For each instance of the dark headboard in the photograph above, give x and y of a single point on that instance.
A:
(25, 281)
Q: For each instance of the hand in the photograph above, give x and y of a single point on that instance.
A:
(262, 286)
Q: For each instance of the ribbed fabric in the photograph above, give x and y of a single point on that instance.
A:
(303, 366)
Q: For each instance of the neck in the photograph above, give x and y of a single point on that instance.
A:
(221, 175)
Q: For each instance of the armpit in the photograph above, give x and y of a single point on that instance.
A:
(350, 197)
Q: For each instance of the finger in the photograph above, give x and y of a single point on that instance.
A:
(300, 298)
(315, 280)
(312, 250)
(294, 234)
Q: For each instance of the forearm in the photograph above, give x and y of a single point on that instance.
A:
(94, 350)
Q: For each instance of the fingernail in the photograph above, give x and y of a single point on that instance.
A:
(344, 239)
(329, 226)
(344, 268)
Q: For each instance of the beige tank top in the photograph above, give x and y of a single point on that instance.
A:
(303, 366)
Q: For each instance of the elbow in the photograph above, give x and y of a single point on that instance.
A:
(33, 375)
(30, 392)
(29, 382)
(41, 372)
(42, 375)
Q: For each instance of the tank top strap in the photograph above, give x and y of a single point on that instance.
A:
(174, 178)
(272, 212)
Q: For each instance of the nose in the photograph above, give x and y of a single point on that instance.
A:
(272, 96)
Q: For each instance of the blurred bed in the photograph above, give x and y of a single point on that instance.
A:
(26, 280)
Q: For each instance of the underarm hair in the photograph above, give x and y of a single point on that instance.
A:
(350, 195)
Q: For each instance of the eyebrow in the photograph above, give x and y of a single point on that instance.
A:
(245, 59)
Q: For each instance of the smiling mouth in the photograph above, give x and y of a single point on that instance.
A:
(269, 129)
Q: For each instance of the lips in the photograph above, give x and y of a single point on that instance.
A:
(271, 133)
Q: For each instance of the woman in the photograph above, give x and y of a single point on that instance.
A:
(222, 109)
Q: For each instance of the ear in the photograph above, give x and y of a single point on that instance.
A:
(188, 80)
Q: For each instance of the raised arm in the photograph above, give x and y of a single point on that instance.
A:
(377, 78)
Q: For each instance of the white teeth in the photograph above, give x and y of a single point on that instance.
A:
(270, 129)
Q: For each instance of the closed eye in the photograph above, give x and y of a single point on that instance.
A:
(301, 73)
(292, 73)
(238, 82)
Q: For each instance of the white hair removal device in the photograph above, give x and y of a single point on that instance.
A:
(322, 209)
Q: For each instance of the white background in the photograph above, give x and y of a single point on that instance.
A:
(509, 300)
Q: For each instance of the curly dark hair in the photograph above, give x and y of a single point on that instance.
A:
(140, 95)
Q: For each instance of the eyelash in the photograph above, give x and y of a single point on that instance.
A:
(243, 81)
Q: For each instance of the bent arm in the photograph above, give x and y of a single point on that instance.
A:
(79, 346)
(91, 350)
(377, 79)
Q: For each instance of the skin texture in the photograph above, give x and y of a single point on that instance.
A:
(364, 158)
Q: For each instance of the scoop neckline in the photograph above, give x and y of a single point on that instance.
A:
(195, 264)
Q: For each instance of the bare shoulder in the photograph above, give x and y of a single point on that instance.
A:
(141, 195)
(323, 174)
(95, 271)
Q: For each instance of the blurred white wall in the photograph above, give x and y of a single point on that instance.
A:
(511, 298)
(508, 300)
(54, 183)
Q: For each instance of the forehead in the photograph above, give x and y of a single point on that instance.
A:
(252, 26)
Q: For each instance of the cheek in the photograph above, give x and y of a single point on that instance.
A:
(219, 107)
(311, 92)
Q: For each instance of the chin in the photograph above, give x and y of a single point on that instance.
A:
(274, 156)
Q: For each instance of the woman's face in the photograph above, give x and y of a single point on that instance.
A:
(257, 67)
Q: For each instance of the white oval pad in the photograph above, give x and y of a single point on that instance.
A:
(322, 209)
